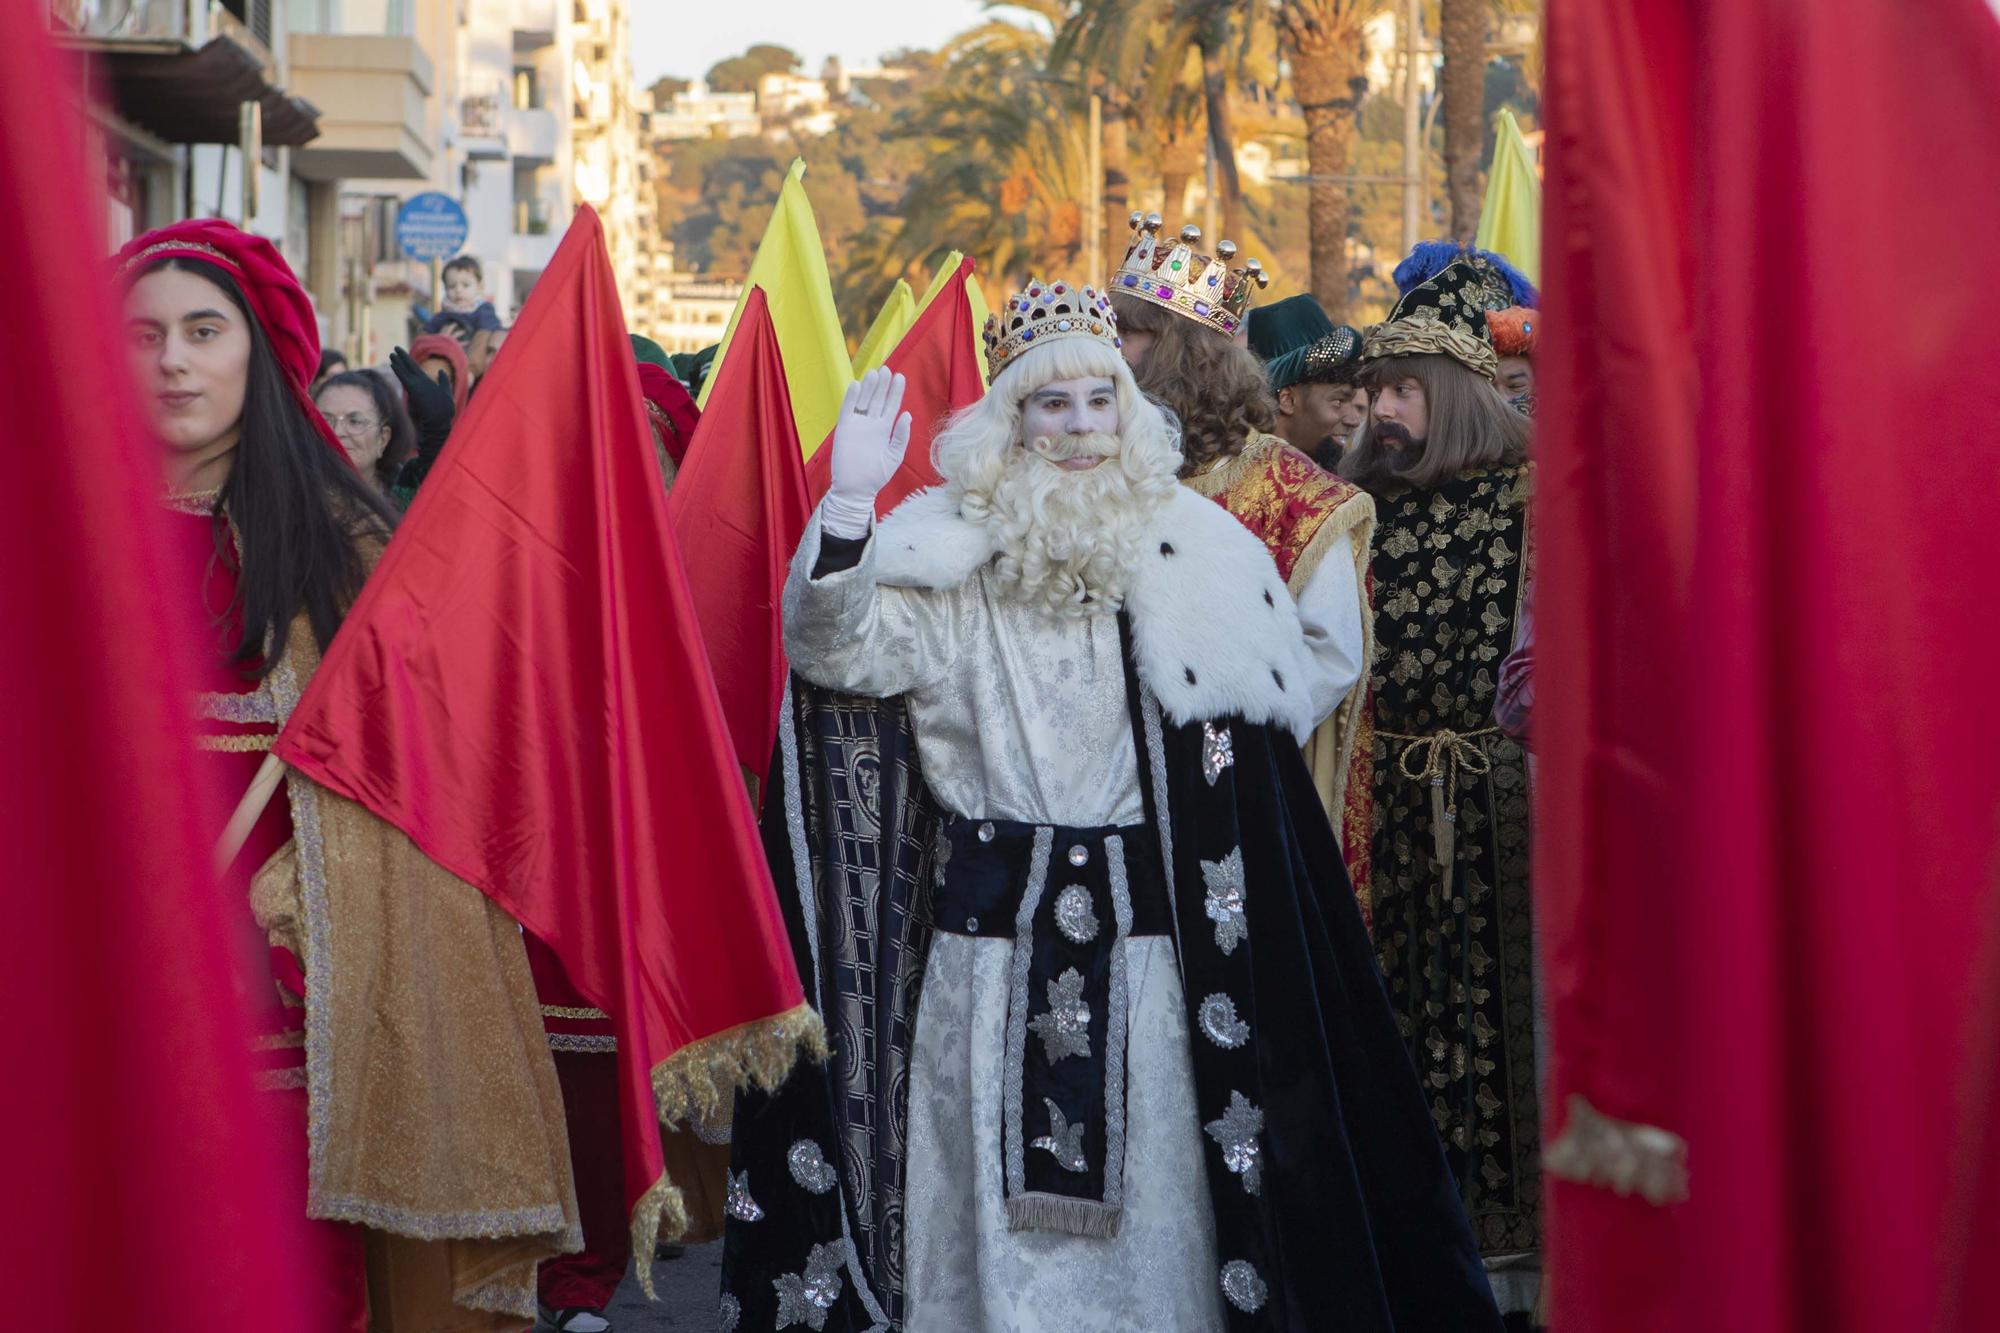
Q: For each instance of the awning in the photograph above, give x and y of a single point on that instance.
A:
(185, 96)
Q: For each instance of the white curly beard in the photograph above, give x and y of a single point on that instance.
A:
(1068, 538)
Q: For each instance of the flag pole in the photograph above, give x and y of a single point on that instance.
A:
(237, 831)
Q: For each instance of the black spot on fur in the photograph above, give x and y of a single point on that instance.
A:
(1190, 675)
(1166, 548)
(1278, 677)
(1268, 602)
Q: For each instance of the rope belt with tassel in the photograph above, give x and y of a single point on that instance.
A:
(1439, 759)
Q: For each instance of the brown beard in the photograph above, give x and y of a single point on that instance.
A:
(1397, 436)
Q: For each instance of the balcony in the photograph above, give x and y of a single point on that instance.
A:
(482, 127)
(181, 70)
(538, 227)
(535, 217)
(531, 134)
(374, 94)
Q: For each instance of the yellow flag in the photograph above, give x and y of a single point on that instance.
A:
(894, 320)
(1510, 221)
(976, 297)
(791, 268)
(939, 279)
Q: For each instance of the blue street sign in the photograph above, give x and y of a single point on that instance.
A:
(430, 226)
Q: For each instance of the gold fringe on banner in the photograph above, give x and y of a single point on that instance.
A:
(698, 1083)
(702, 1077)
(1618, 1155)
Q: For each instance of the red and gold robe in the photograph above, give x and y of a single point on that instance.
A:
(1305, 514)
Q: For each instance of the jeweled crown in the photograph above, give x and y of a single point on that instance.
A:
(1044, 312)
(1175, 275)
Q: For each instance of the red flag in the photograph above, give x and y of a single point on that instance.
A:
(146, 1186)
(521, 689)
(1767, 839)
(740, 501)
(938, 358)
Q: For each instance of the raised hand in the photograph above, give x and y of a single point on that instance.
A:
(430, 399)
(869, 440)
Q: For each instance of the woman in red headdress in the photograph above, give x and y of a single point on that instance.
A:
(400, 991)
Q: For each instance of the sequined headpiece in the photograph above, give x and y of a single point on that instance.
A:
(1446, 315)
(1205, 290)
(1042, 313)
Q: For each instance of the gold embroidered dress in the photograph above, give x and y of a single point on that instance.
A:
(406, 1013)
(1452, 921)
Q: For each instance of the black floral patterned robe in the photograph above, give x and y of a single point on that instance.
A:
(1453, 933)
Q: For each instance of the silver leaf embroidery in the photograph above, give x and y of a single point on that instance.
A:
(1065, 1027)
(1236, 1134)
(1074, 917)
(732, 1311)
(1064, 1141)
(1244, 1288)
(809, 1167)
(1218, 751)
(1225, 900)
(805, 1298)
(943, 856)
(740, 1205)
(1220, 1023)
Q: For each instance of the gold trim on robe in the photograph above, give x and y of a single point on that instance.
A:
(418, 997)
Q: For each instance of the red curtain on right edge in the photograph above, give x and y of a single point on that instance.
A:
(1769, 521)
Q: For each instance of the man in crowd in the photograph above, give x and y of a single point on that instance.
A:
(1060, 887)
(1445, 457)
(1312, 364)
(1179, 312)
(1514, 344)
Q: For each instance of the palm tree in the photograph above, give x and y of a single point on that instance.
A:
(1462, 32)
(1152, 96)
(1002, 173)
(1211, 26)
(1153, 45)
(1322, 39)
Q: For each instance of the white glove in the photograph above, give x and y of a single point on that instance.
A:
(868, 444)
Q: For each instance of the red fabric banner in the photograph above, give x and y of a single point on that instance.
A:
(145, 1183)
(521, 688)
(938, 359)
(740, 501)
(1768, 846)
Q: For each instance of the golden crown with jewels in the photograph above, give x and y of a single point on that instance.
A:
(1041, 313)
(1204, 289)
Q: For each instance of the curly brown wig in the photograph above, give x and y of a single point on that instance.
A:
(1215, 387)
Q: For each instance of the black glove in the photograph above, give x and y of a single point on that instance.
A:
(430, 399)
(431, 411)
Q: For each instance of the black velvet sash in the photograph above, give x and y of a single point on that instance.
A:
(1067, 899)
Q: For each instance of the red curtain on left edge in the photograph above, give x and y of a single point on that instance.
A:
(142, 1176)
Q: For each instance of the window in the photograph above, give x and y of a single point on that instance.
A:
(527, 88)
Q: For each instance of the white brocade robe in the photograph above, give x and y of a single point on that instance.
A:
(1019, 714)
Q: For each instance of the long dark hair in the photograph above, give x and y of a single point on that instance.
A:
(388, 402)
(299, 510)
(1216, 388)
(1472, 428)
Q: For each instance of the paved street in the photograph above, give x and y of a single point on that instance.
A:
(689, 1288)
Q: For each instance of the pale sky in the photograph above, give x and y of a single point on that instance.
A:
(682, 38)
